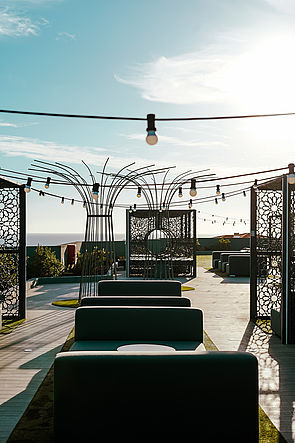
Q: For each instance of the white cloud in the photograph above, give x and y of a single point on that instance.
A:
(283, 6)
(13, 25)
(65, 36)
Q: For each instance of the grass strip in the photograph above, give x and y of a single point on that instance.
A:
(9, 325)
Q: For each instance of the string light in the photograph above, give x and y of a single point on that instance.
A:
(190, 204)
(180, 192)
(62, 200)
(217, 189)
(139, 192)
(28, 185)
(72, 202)
(130, 209)
(291, 175)
(41, 193)
(244, 194)
(95, 190)
(84, 204)
(255, 186)
(151, 137)
(47, 184)
(193, 190)
(134, 207)
(223, 197)
(216, 201)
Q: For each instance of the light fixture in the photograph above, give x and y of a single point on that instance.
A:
(291, 175)
(217, 189)
(216, 201)
(95, 188)
(72, 202)
(255, 184)
(130, 209)
(139, 192)
(47, 184)
(223, 197)
(62, 200)
(190, 203)
(151, 137)
(41, 193)
(84, 204)
(134, 207)
(28, 185)
(111, 207)
(180, 192)
(164, 206)
(193, 190)
(244, 194)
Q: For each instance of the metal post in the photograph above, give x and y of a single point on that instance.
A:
(22, 253)
(253, 257)
(285, 263)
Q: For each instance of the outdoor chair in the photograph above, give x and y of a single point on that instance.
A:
(238, 265)
(216, 257)
(135, 301)
(109, 327)
(156, 396)
(224, 259)
(139, 287)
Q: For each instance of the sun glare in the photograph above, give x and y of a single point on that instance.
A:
(262, 79)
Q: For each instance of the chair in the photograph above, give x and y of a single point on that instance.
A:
(135, 301)
(139, 287)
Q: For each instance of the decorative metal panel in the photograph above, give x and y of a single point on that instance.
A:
(12, 250)
(269, 209)
(162, 243)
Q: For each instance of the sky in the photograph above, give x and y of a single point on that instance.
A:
(189, 58)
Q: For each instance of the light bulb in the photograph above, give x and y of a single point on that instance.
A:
(95, 191)
(151, 138)
(130, 209)
(62, 200)
(244, 194)
(72, 202)
(190, 203)
(217, 189)
(223, 197)
(27, 188)
(84, 204)
(291, 175)
(139, 192)
(180, 192)
(193, 192)
(216, 201)
(134, 208)
(47, 182)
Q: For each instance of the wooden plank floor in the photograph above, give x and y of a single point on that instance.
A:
(226, 305)
(27, 353)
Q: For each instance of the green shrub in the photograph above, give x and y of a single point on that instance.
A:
(97, 262)
(8, 271)
(224, 244)
(44, 263)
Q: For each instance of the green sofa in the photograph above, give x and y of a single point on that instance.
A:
(156, 397)
(99, 328)
(139, 287)
(135, 301)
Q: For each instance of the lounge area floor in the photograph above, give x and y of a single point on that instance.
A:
(28, 352)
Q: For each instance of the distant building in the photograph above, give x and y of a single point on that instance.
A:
(235, 235)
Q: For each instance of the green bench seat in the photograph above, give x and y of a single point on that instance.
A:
(108, 327)
(135, 301)
(155, 397)
(139, 287)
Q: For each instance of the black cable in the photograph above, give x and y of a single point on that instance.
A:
(104, 117)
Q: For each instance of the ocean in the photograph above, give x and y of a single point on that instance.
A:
(54, 239)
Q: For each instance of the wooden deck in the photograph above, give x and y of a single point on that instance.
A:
(28, 352)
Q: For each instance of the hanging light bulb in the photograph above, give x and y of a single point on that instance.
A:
(41, 193)
(101, 208)
(62, 200)
(134, 207)
(130, 209)
(151, 137)
(190, 203)
(217, 189)
(244, 194)
(111, 207)
(47, 184)
(180, 191)
(216, 201)
(160, 208)
(28, 185)
(139, 192)
(72, 202)
(95, 189)
(84, 204)
(255, 185)
(291, 175)
(193, 190)
(164, 206)
(223, 197)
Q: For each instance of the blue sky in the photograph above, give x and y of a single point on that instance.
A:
(129, 58)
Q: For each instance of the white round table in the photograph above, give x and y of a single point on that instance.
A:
(145, 347)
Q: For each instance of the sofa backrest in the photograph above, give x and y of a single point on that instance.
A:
(121, 396)
(139, 287)
(135, 301)
(138, 323)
